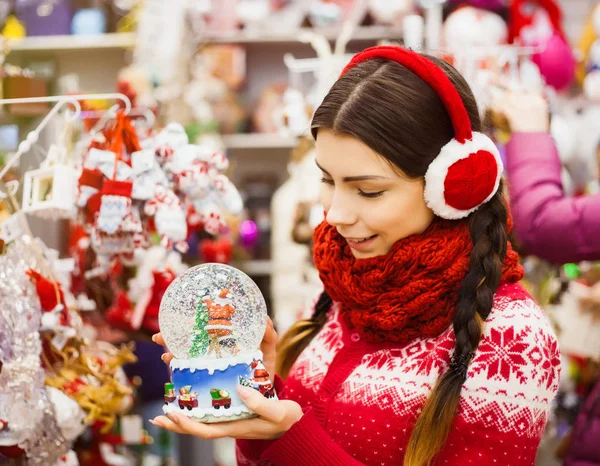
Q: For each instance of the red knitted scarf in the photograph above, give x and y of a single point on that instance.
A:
(410, 292)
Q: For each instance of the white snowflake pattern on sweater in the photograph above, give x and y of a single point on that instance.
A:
(511, 381)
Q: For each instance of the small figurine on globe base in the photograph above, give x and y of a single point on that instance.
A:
(213, 318)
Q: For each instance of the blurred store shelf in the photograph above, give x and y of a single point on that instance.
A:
(70, 42)
(254, 268)
(361, 33)
(258, 141)
(127, 40)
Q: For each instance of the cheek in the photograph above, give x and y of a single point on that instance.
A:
(404, 216)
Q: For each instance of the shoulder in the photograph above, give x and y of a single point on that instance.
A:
(516, 314)
(515, 372)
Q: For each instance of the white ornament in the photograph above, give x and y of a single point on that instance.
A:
(147, 174)
(211, 218)
(172, 135)
(252, 11)
(169, 216)
(70, 459)
(388, 11)
(103, 160)
(469, 26)
(591, 86)
(324, 13)
(69, 415)
(594, 54)
(228, 194)
(50, 192)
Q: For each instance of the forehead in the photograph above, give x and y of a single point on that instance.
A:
(342, 155)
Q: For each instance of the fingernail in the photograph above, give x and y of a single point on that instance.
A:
(163, 357)
(154, 338)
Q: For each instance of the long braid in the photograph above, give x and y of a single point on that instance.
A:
(488, 234)
(300, 335)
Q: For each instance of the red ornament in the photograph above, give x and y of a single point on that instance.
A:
(120, 313)
(50, 294)
(162, 280)
(219, 251)
(11, 451)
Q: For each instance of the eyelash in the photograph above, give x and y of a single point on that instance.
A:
(360, 192)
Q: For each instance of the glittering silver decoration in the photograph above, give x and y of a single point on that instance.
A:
(23, 400)
(46, 445)
(182, 326)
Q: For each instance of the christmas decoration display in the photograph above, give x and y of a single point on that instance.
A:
(138, 193)
(129, 189)
(213, 318)
(53, 384)
(132, 208)
(539, 24)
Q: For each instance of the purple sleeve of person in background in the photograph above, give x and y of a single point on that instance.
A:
(549, 225)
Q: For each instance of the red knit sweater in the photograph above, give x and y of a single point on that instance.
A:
(361, 399)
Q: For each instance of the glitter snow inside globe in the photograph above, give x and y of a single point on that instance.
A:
(213, 318)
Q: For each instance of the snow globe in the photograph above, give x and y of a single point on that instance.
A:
(213, 318)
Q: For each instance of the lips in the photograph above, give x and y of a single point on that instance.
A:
(360, 240)
(361, 244)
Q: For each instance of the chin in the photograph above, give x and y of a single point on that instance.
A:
(364, 255)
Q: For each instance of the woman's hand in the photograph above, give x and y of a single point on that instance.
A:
(268, 346)
(158, 338)
(525, 112)
(276, 418)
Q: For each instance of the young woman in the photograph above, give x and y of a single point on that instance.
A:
(422, 349)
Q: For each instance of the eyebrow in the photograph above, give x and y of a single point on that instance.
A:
(348, 179)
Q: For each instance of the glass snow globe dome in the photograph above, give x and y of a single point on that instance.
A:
(212, 311)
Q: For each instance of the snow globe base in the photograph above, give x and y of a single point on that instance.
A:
(205, 389)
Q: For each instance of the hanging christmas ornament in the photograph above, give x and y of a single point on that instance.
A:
(469, 27)
(539, 24)
(50, 191)
(249, 234)
(147, 173)
(219, 250)
(390, 11)
(169, 218)
(213, 318)
(197, 171)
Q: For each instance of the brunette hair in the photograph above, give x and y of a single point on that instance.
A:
(398, 115)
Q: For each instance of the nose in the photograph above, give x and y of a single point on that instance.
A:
(340, 212)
